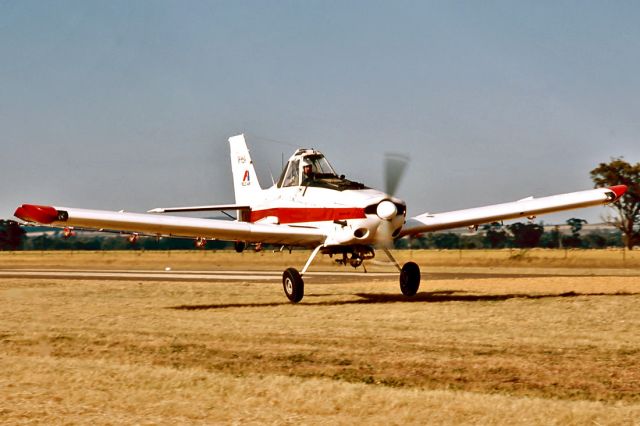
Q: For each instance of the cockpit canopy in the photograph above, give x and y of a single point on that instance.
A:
(308, 167)
(294, 173)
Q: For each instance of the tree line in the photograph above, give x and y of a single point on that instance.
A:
(517, 235)
(13, 237)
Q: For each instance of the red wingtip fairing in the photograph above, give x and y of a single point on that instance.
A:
(34, 213)
(619, 190)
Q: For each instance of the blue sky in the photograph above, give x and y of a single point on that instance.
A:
(128, 105)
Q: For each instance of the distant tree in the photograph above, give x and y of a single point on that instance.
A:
(473, 241)
(550, 239)
(421, 241)
(619, 172)
(574, 240)
(401, 243)
(495, 236)
(11, 235)
(116, 243)
(447, 240)
(594, 240)
(526, 235)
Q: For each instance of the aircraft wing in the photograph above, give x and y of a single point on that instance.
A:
(175, 226)
(527, 207)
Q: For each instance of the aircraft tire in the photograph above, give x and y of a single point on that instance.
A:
(410, 279)
(293, 285)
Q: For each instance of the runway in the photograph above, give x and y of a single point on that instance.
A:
(170, 275)
(258, 275)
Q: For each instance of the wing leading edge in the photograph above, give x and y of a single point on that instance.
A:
(169, 225)
(524, 208)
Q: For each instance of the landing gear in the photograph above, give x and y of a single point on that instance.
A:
(410, 279)
(293, 285)
(409, 275)
(292, 281)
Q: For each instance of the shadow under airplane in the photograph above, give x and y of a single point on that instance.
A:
(430, 297)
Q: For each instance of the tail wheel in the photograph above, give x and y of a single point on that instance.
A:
(293, 285)
(410, 279)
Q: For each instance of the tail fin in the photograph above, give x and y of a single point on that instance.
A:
(245, 180)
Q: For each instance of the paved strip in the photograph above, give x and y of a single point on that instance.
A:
(230, 275)
(159, 276)
(202, 272)
(175, 276)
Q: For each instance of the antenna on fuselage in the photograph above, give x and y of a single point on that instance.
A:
(270, 140)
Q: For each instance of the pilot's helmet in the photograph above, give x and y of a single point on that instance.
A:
(306, 162)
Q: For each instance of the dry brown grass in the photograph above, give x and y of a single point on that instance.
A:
(51, 390)
(527, 350)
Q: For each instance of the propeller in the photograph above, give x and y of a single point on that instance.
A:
(394, 166)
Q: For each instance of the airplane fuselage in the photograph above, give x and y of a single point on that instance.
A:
(349, 216)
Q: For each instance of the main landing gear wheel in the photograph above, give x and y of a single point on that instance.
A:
(293, 285)
(410, 279)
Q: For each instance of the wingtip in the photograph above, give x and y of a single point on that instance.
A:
(36, 213)
(619, 190)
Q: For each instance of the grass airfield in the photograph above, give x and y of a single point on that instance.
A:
(493, 337)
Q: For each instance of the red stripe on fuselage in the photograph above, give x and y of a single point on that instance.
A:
(308, 214)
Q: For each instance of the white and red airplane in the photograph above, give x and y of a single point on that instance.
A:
(310, 206)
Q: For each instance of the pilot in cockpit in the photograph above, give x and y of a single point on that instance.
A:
(307, 172)
(306, 167)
